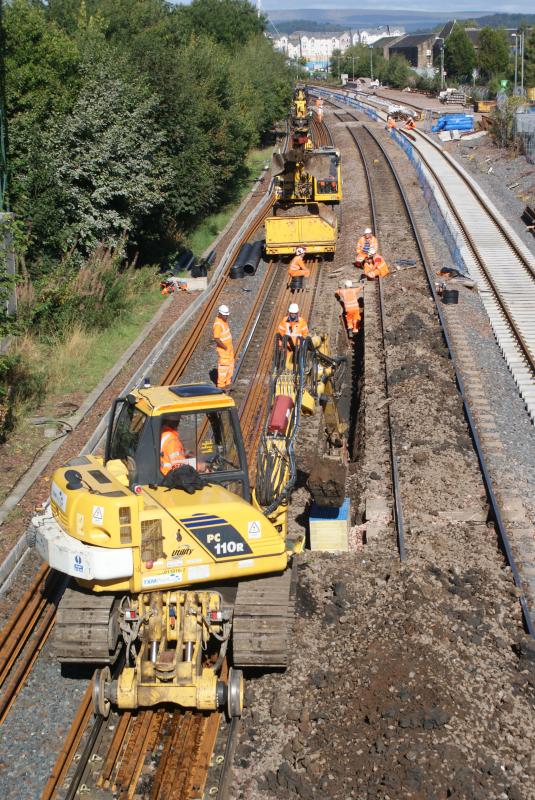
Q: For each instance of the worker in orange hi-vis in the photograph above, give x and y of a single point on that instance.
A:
(225, 351)
(293, 325)
(349, 297)
(391, 123)
(298, 270)
(366, 243)
(375, 266)
(172, 451)
(410, 125)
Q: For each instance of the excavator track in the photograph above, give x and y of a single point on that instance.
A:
(87, 628)
(264, 612)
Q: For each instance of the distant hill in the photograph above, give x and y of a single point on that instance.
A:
(307, 25)
(506, 20)
(342, 18)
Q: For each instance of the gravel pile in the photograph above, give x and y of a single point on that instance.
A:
(403, 682)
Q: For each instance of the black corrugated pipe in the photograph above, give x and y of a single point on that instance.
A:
(185, 261)
(236, 271)
(251, 264)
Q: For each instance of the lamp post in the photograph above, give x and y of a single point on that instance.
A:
(353, 71)
(371, 61)
(515, 36)
(441, 39)
(522, 35)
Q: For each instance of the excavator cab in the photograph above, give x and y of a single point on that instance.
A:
(211, 441)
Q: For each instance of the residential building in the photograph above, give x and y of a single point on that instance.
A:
(319, 46)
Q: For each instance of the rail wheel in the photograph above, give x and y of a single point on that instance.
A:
(235, 689)
(101, 682)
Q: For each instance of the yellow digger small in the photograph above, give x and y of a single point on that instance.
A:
(167, 567)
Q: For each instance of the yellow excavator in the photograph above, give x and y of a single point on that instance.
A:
(173, 572)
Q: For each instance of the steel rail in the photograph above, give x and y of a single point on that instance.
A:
(511, 284)
(67, 753)
(396, 490)
(254, 318)
(223, 787)
(179, 365)
(173, 374)
(26, 632)
(26, 617)
(505, 267)
(489, 484)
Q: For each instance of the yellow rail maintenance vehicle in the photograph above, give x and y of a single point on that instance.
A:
(300, 110)
(308, 188)
(165, 567)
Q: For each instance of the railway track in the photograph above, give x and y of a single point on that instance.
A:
(31, 622)
(493, 254)
(502, 265)
(395, 207)
(384, 217)
(320, 133)
(186, 739)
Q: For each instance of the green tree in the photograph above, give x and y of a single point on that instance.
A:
(459, 54)
(362, 59)
(109, 170)
(336, 63)
(398, 71)
(529, 59)
(230, 22)
(206, 73)
(265, 100)
(493, 53)
(42, 82)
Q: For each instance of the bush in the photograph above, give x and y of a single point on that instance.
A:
(22, 380)
(93, 296)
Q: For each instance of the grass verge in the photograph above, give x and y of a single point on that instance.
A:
(70, 368)
(82, 360)
(203, 236)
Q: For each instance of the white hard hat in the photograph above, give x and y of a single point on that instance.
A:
(371, 251)
(368, 230)
(348, 284)
(300, 251)
(293, 308)
(224, 310)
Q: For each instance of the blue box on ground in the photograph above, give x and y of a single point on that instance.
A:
(329, 527)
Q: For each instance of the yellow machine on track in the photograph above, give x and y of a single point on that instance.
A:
(300, 108)
(167, 567)
(308, 188)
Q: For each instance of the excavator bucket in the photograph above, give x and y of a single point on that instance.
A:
(278, 163)
(318, 165)
(326, 214)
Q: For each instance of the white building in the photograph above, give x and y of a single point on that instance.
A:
(319, 47)
(371, 36)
